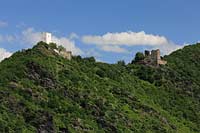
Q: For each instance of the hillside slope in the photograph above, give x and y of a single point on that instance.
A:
(186, 62)
(41, 91)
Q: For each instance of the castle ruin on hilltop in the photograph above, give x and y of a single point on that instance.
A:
(47, 38)
(153, 58)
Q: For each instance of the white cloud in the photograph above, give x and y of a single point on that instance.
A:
(31, 37)
(3, 24)
(92, 52)
(68, 44)
(113, 48)
(168, 48)
(126, 38)
(73, 36)
(112, 41)
(4, 54)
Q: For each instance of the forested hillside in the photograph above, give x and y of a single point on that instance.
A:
(41, 91)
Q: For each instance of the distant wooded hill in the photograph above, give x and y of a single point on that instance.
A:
(41, 91)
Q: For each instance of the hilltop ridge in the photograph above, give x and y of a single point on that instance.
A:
(40, 91)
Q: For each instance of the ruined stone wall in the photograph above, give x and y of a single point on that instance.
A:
(66, 54)
(162, 62)
(153, 58)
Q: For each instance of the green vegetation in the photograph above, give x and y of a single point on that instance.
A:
(61, 48)
(138, 57)
(41, 91)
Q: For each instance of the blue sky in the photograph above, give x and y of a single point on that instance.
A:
(110, 30)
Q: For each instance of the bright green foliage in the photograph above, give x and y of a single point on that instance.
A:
(41, 91)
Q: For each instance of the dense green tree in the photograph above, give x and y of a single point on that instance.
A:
(138, 57)
(121, 62)
(53, 45)
(61, 48)
(89, 59)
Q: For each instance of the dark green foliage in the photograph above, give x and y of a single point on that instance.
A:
(121, 62)
(138, 57)
(53, 46)
(89, 59)
(61, 48)
(42, 92)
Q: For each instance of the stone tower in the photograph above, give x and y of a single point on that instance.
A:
(156, 58)
(155, 55)
(153, 58)
(46, 37)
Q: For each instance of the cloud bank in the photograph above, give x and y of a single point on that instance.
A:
(126, 38)
(113, 48)
(4, 54)
(113, 42)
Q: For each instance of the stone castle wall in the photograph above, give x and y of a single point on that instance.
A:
(153, 58)
(66, 54)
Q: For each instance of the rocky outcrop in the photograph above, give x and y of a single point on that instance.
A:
(40, 75)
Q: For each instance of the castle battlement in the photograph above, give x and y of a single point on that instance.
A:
(153, 58)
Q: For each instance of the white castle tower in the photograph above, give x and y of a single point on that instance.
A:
(46, 37)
